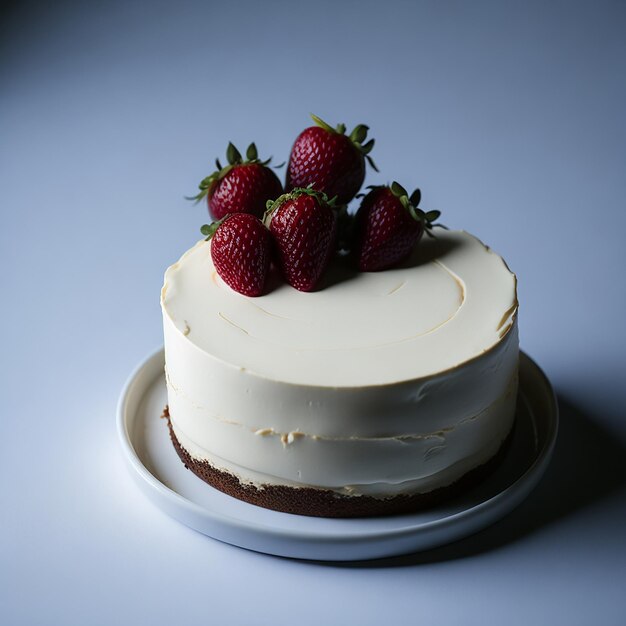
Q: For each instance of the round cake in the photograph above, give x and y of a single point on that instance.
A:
(381, 392)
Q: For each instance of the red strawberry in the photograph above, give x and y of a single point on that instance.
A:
(388, 225)
(241, 249)
(304, 226)
(327, 160)
(241, 186)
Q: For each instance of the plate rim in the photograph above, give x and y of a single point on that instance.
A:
(529, 478)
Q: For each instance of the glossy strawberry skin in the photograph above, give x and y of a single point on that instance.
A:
(244, 189)
(327, 161)
(241, 249)
(304, 231)
(385, 233)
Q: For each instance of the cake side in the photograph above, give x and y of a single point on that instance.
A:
(305, 500)
(379, 430)
(353, 465)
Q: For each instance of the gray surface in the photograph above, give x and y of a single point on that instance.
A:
(510, 116)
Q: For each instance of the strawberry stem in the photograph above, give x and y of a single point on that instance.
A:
(359, 134)
(322, 124)
(357, 137)
(398, 190)
(232, 154)
(251, 153)
(272, 205)
(234, 158)
(410, 204)
(208, 230)
(371, 162)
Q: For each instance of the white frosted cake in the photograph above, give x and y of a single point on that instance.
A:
(378, 393)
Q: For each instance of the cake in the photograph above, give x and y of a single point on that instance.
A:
(378, 393)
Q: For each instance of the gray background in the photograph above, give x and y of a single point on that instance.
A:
(508, 115)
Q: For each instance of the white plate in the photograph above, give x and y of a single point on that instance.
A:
(163, 478)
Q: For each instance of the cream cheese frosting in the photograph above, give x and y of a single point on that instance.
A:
(379, 383)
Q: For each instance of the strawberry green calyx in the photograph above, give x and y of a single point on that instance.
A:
(410, 203)
(357, 137)
(234, 158)
(208, 230)
(322, 198)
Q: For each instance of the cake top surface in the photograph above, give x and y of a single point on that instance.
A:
(453, 300)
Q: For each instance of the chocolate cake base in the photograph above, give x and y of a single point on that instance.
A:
(323, 502)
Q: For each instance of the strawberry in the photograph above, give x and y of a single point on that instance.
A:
(304, 225)
(327, 160)
(387, 227)
(241, 250)
(241, 186)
